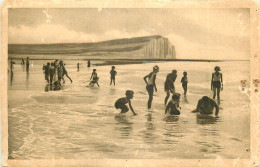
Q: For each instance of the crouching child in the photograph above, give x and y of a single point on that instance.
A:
(121, 102)
(173, 105)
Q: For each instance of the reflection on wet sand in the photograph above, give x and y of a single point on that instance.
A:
(27, 80)
(12, 75)
(149, 136)
(210, 142)
(124, 127)
(172, 130)
(206, 119)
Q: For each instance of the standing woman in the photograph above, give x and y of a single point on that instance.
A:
(169, 85)
(150, 84)
(216, 82)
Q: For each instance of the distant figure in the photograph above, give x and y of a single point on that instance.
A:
(184, 81)
(150, 84)
(206, 105)
(22, 63)
(52, 72)
(169, 85)
(216, 82)
(94, 78)
(47, 72)
(27, 64)
(173, 105)
(78, 66)
(121, 103)
(88, 63)
(65, 73)
(12, 65)
(60, 71)
(113, 75)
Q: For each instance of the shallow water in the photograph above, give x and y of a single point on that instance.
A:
(81, 122)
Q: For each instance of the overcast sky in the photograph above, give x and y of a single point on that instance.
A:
(196, 33)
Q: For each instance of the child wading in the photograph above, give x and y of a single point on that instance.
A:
(150, 84)
(94, 78)
(173, 105)
(184, 81)
(169, 84)
(113, 75)
(216, 82)
(121, 103)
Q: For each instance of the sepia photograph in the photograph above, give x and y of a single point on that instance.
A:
(128, 83)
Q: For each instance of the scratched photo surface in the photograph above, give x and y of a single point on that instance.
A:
(52, 119)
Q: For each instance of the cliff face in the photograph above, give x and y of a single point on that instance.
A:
(148, 47)
(159, 48)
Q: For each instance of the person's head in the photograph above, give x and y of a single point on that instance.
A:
(52, 64)
(176, 96)
(94, 70)
(27, 57)
(217, 68)
(129, 94)
(156, 69)
(205, 99)
(185, 73)
(113, 67)
(174, 72)
(61, 63)
(48, 64)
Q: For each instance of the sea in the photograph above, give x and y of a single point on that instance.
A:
(81, 122)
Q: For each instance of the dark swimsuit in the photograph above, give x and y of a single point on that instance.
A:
(121, 104)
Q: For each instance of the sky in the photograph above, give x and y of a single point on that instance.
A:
(219, 33)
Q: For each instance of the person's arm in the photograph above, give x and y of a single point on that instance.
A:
(167, 107)
(146, 77)
(198, 106)
(212, 81)
(154, 83)
(216, 106)
(115, 72)
(222, 83)
(91, 76)
(130, 106)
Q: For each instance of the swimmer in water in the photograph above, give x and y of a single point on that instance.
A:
(150, 84)
(121, 103)
(169, 85)
(206, 106)
(184, 81)
(113, 75)
(174, 105)
(216, 83)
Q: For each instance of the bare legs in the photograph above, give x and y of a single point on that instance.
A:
(216, 91)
